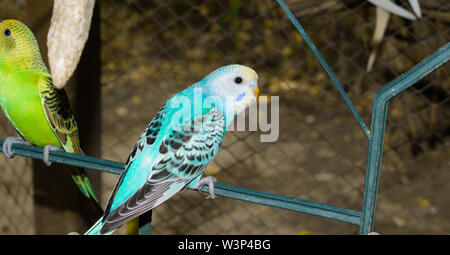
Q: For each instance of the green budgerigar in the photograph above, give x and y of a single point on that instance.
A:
(39, 111)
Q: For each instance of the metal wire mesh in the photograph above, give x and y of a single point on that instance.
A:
(321, 152)
(152, 49)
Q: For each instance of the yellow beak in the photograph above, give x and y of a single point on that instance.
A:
(256, 91)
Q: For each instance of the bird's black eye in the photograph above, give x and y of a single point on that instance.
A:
(238, 80)
(7, 32)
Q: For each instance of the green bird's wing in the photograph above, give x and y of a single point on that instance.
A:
(59, 115)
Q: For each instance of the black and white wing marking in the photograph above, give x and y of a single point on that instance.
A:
(183, 155)
(147, 138)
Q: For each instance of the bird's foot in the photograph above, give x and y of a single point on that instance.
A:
(47, 149)
(209, 180)
(8, 143)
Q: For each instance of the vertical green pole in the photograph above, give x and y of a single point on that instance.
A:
(374, 161)
(378, 126)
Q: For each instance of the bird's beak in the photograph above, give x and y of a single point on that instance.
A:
(255, 89)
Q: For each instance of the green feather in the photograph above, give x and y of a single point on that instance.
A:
(39, 112)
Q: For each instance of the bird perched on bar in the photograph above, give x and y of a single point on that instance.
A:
(39, 112)
(180, 141)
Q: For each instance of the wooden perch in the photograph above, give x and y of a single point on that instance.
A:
(69, 30)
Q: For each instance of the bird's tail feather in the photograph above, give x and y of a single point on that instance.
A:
(82, 181)
(95, 229)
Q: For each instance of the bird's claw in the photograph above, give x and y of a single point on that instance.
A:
(7, 145)
(47, 149)
(210, 182)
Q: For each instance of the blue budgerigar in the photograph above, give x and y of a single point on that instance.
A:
(178, 144)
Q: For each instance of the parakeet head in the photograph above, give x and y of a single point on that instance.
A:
(18, 46)
(237, 83)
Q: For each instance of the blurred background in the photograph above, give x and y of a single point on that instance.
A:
(140, 53)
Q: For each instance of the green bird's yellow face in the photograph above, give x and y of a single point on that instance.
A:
(18, 47)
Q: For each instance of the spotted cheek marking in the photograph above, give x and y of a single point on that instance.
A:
(240, 97)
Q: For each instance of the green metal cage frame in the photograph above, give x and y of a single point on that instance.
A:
(364, 218)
